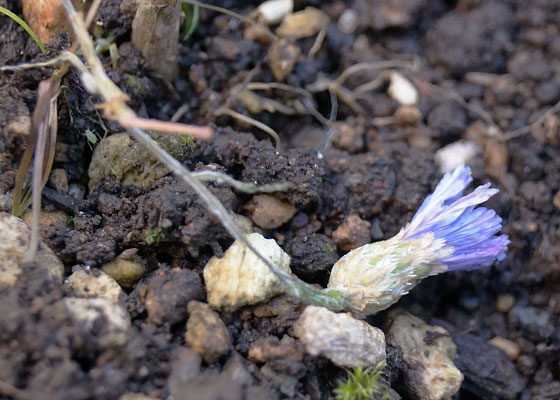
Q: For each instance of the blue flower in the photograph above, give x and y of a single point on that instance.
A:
(447, 233)
(469, 231)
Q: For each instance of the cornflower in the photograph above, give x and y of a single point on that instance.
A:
(447, 233)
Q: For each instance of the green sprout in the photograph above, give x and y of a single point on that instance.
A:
(362, 384)
(191, 19)
(153, 237)
(24, 25)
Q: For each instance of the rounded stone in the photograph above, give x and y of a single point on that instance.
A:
(240, 278)
(95, 283)
(341, 338)
(206, 332)
(15, 237)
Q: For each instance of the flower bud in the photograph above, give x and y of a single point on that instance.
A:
(447, 233)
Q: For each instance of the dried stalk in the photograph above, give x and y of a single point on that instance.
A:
(252, 121)
(41, 141)
(246, 187)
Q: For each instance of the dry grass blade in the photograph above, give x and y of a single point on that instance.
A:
(43, 129)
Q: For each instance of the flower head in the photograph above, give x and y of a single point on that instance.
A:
(447, 233)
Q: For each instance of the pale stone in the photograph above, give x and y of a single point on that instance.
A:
(95, 283)
(274, 11)
(241, 278)
(15, 236)
(341, 338)
(505, 302)
(269, 212)
(86, 312)
(511, 348)
(126, 269)
(304, 23)
(206, 332)
(449, 157)
(402, 90)
(428, 350)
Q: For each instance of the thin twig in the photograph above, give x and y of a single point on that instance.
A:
(317, 44)
(451, 94)
(202, 132)
(528, 128)
(355, 68)
(245, 187)
(254, 122)
(49, 63)
(308, 103)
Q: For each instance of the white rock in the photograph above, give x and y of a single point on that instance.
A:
(273, 11)
(240, 278)
(86, 313)
(15, 236)
(457, 153)
(95, 283)
(341, 338)
(402, 90)
(348, 21)
(429, 351)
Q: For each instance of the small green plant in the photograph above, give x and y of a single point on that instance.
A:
(362, 384)
(153, 237)
(24, 25)
(191, 19)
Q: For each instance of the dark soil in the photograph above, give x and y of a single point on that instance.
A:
(381, 175)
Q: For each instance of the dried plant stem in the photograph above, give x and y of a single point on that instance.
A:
(37, 186)
(202, 132)
(318, 43)
(527, 128)
(355, 68)
(308, 98)
(254, 122)
(451, 94)
(246, 187)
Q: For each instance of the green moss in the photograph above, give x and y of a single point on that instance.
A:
(328, 247)
(134, 82)
(179, 146)
(153, 237)
(362, 384)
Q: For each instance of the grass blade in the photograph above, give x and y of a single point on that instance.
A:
(24, 25)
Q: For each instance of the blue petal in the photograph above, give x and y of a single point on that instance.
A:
(452, 217)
